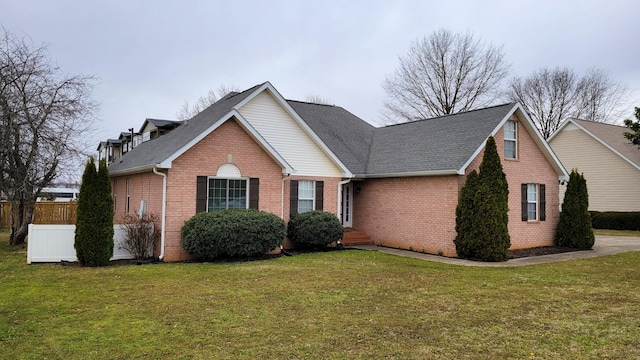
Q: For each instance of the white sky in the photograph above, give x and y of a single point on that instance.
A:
(151, 56)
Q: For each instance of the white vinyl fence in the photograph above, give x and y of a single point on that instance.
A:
(54, 243)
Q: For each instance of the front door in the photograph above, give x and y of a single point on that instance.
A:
(347, 204)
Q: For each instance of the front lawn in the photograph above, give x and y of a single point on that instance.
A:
(341, 305)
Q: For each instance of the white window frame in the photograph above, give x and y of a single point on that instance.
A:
(303, 195)
(533, 200)
(513, 140)
(227, 179)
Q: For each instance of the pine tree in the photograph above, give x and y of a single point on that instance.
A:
(574, 226)
(482, 215)
(94, 226)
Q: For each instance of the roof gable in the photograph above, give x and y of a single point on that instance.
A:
(609, 135)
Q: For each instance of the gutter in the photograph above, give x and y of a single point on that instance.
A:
(164, 210)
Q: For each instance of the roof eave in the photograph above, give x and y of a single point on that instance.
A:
(413, 174)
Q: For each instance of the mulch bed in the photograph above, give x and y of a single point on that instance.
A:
(537, 251)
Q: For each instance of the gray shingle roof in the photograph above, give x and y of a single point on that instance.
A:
(439, 144)
(157, 150)
(348, 136)
(435, 145)
(613, 136)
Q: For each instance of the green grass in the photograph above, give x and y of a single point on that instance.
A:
(616, 232)
(334, 305)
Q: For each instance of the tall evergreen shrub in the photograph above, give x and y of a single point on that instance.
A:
(482, 216)
(574, 227)
(94, 226)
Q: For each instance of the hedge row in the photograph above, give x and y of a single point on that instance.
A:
(616, 220)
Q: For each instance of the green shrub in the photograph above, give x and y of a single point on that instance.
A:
(232, 233)
(616, 220)
(482, 214)
(315, 229)
(574, 226)
(94, 225)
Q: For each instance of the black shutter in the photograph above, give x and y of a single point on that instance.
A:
(523, 193)
(543, 203)
(254, 193)
(293, 198)
(201, 194)
(319, 195)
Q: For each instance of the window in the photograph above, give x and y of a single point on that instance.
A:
(533, 202)
(306, 196)
(126, 205)
(146, 136)
(227, 194)
(510, 143)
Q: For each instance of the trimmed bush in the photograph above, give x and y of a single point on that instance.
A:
(232, 233)
(616, 220)
(315, 229)
(94, 225)
(482, 214)
(465, 215)
(574, 226)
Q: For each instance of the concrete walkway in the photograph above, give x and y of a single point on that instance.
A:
(604, 245)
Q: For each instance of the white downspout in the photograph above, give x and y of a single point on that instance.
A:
(164, 209)
(282, 201)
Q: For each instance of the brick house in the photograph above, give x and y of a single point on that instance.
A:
(396, 186)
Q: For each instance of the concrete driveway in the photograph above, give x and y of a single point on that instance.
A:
(604, 245)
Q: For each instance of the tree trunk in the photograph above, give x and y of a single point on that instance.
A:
(24, 217)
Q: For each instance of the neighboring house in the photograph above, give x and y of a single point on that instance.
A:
(399, 184)
(610, 163)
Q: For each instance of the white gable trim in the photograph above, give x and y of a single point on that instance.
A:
(597, 139)
(286, 168)
(537, 138)
(281, 100)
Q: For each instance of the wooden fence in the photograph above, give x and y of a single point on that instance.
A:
(60, 213)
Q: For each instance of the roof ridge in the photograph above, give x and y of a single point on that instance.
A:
(449, 115)
(312, 103)
(600, 123)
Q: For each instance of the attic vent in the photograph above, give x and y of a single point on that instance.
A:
(228, 171)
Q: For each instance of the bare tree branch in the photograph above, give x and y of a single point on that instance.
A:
(43, 115)
(444, 73)
(187, 111)
(552, 95)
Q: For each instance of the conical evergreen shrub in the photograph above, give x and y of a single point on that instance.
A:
(482, 216)
(465, 214)
(94, 225)
(574, 226)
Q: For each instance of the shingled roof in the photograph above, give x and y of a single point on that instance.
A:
(611, 136)
(442, 145)
(149, 153)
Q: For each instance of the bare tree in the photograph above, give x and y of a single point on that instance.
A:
(317, 99)
(445, 73)
(187, 111)
(43, 114)
(552, 95)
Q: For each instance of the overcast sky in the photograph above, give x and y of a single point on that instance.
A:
(151, 56)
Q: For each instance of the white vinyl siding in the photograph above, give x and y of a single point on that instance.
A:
(306, 196)
(280, 130)
(612, 182)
